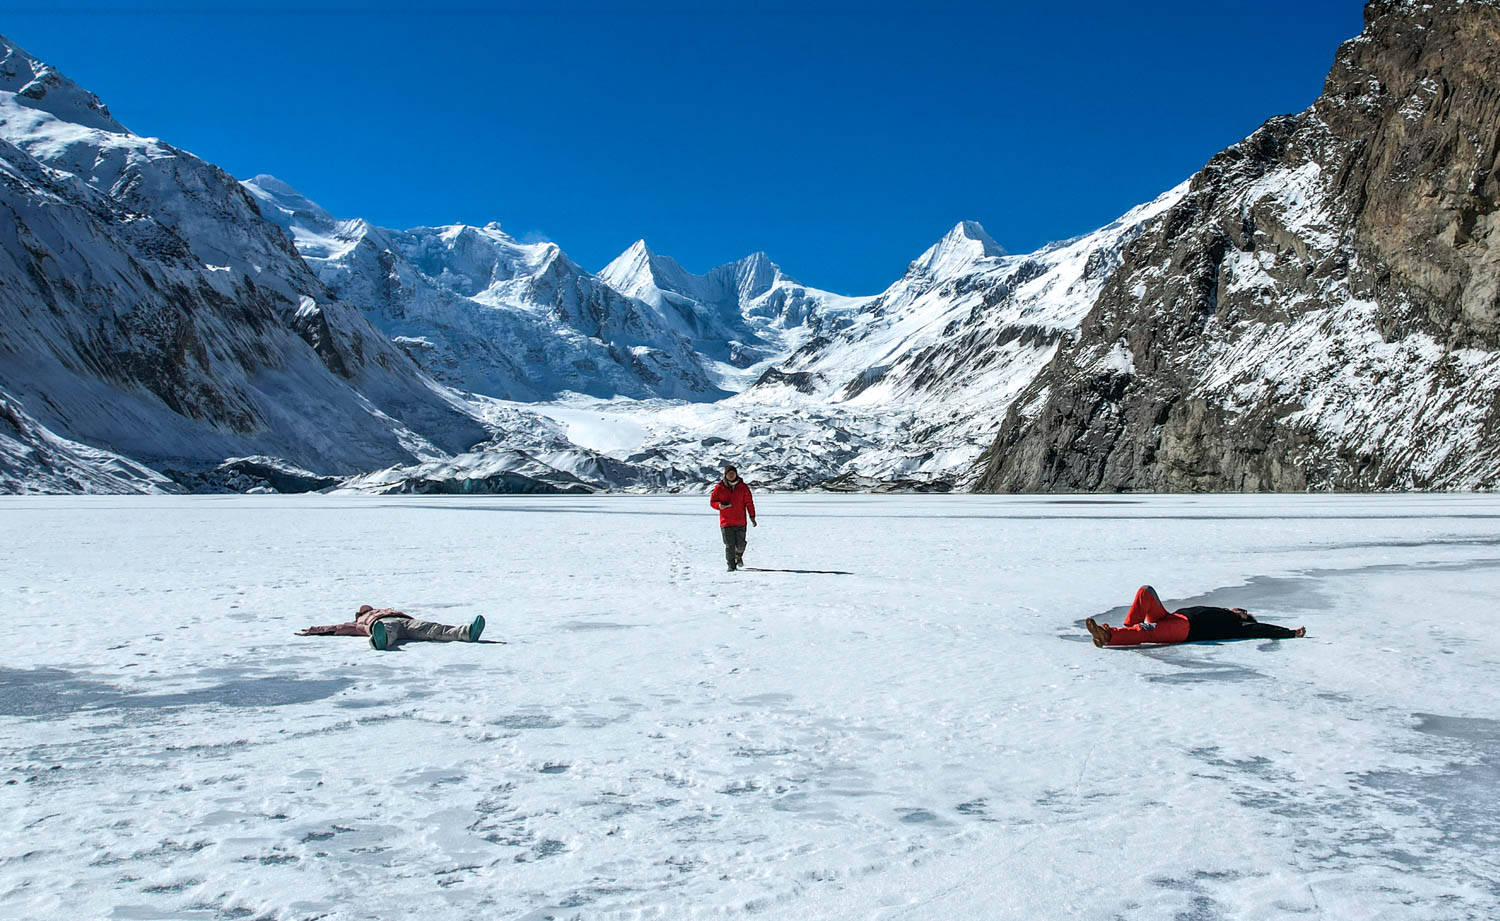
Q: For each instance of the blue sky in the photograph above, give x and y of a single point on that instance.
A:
(842, 139)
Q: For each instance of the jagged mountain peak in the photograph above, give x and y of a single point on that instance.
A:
(41, 86)
(974, 231)
(961, 247)
(639, 269)
(751, 276)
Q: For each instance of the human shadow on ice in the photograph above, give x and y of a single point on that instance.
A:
(810, 572)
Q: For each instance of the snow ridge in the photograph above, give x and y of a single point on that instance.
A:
(39, 86)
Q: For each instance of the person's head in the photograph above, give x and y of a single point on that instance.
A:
(730, 473)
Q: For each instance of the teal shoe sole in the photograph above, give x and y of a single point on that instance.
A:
(476, 628)
(377, 635)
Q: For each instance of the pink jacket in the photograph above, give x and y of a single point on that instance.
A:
(359, 626)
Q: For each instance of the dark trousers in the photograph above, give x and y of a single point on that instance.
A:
(1233, 628)
(734, 543)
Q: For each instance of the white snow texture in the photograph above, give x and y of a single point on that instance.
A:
(899, 717)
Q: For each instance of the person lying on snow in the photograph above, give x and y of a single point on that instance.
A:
(387, 627)
(1149, 622)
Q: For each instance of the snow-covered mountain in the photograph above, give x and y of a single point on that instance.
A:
(485, 313)
(1316, 308)
(739, 315)
(1320, 310)
(902, 387)
(951, 343)
(147, 309)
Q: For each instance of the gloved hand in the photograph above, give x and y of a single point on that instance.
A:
(753, 524)
(1148, 625)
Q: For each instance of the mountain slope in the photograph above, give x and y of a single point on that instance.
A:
(149, 310)
(35, 460)
(1319, 311)
(947, 347)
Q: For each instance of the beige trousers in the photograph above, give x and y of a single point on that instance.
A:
(402, 630)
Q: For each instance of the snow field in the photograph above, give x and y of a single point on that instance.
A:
(920, 730)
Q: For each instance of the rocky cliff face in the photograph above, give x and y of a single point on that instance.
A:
(1320, 309)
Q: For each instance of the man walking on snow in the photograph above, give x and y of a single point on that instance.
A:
(731, 496)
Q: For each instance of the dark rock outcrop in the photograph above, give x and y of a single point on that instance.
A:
(499, 484)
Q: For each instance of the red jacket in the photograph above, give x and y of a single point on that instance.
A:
(741, 503)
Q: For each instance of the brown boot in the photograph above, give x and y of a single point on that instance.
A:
(1100, 632)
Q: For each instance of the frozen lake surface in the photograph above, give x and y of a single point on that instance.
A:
(921, 730)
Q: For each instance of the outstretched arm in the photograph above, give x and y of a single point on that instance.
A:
(349, 629)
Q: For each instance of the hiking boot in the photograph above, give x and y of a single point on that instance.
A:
(377, 635)
(476, 627)
(739, 559)
(731, 567)
(1100, 632)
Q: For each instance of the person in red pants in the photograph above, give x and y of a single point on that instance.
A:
(1149, 621)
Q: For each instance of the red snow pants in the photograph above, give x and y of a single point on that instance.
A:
(1147, 610)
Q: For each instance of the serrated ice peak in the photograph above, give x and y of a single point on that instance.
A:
(960, 247)
(639, 269)
(753, 275)
(630, 269)
(973, 232)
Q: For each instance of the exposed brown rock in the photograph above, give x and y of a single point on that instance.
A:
(1321, 311)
